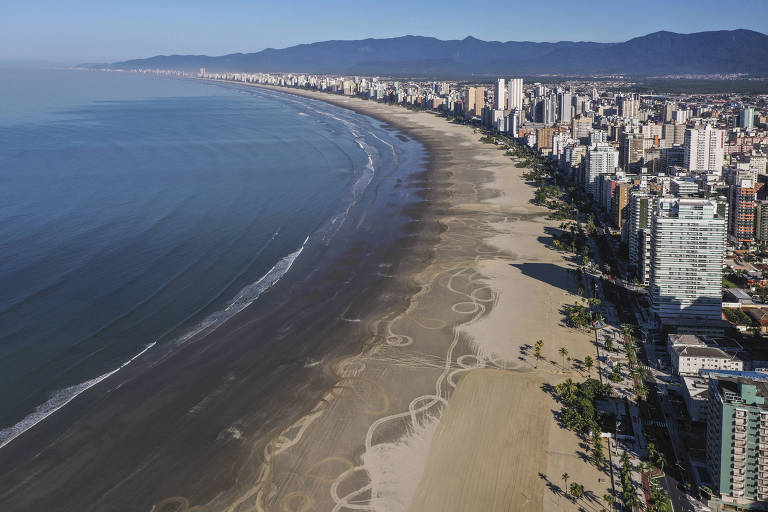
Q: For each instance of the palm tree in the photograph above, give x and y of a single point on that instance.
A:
(626, 330)
(577, 490)
(563, 352)
(588, 364)
(537, 352)
(565, 477)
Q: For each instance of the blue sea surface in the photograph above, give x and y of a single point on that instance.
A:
(137, 209)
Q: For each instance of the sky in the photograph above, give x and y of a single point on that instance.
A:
(77, 31)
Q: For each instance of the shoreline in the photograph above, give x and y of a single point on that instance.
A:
(391, 436)
(305, 374)
(434, 402)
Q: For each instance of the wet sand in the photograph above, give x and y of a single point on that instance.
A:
(447, 403)
(433, 382)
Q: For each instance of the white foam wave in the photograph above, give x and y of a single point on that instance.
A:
(58, 400)
(245, 297)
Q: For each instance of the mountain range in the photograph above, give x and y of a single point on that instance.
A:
(659, 53)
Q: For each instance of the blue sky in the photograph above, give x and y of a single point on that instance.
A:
(96, 31)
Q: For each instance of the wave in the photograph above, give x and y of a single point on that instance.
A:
(244, 297)
(58, 400)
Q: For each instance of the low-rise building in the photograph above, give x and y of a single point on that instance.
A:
(690, 354)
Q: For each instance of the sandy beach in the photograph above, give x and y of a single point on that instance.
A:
(444, 408)
(430, 401)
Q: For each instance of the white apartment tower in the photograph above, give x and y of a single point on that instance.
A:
(601, 159)
(499, 102)
(687, 247)
(703, 149)
(515, 94)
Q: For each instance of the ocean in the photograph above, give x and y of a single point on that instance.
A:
(138, 213)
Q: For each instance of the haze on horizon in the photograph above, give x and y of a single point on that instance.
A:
(93, 31)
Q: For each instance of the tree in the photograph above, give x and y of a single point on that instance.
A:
(537, 351)
(565, 477)
(598, 457)
(563, 352)
(588, 364)
(576, 490)
(608, 344)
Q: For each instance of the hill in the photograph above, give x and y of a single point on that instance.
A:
(723, 51)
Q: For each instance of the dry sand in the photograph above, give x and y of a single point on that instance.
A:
(444, 410)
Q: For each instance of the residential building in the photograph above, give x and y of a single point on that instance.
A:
(499, 103)
(743, 204)
(747, 118)
(641, 208)
(632, 152)
(620, 203)
(737, 437)
(515, 94)
(687, 248)
(761, 221)
(602, 158)
(690, 354)
(682, 187)
(704, 149)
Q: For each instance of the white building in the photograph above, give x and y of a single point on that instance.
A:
(515, 94)
(499, 102)
(690, 354)
(601, 159)
(564, 107)
(703, 149)
(597, 136)
(687, 248)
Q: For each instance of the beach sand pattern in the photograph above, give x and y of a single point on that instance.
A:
(443, 409)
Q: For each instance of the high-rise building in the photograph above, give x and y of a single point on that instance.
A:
(632, 152)
(673, 156)
(601, 159)
(704, 148)
(515, 94)
(544, 137)
(580, 127)
(673, 133)
(479, 100)
(743, 204)
(470, 97)
(669, 108)
(687, 249)
(737, 433)
(747, 118)
(620, 203)
(629, 106)
(680, 116)
(549, 109)
(761, 221)
(564, 107)
(499, 103)
(641, 208)
(513, 122)
(597, 137)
